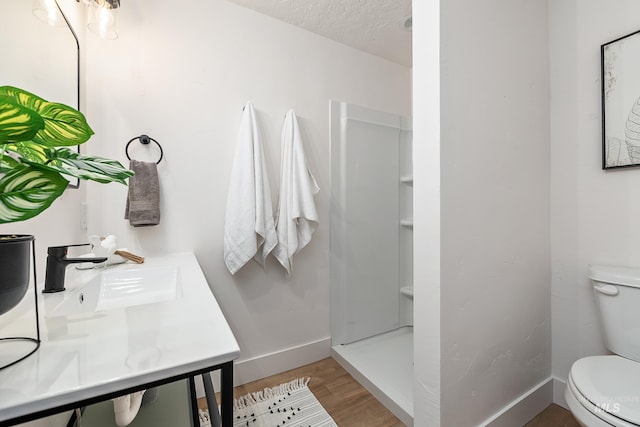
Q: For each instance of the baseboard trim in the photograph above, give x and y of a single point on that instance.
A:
(558, 392)
(525, 407)
(263, 366)
(273, 363)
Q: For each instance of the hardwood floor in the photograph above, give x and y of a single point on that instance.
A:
(553, 416)
(351, 405)
(348, 403)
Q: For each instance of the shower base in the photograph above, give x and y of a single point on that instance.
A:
(383, 364)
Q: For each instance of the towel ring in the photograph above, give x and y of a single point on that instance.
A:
(144, 140)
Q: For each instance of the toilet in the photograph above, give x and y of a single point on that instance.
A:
(605, 390)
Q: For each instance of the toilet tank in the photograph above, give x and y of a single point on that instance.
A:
(617, 292)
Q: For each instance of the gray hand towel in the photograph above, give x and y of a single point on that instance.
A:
(143, 200)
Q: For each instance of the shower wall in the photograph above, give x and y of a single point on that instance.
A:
(370, 227)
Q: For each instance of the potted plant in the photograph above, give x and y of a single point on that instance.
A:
(35, 157)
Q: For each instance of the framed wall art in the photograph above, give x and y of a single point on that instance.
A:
(620, 63)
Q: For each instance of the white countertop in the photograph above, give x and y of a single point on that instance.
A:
(93, 354)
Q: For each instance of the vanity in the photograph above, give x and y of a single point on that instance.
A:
(114, 331)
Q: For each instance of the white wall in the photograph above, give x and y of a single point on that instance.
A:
(593, 212)
(181, 72)
(495, 273)
(426, 212)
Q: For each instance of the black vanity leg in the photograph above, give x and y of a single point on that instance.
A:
(194, 402)
(227, 394)
(212, 404)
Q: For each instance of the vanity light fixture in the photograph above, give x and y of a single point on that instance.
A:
(48, 11)
(102, 17)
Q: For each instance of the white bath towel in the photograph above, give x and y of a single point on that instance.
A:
(297, 217)
(249, 230)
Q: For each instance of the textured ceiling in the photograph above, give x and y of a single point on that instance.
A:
(374, 26)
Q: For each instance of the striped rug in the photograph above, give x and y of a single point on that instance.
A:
(289, 405)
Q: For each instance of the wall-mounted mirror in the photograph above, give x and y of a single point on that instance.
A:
(36, 56)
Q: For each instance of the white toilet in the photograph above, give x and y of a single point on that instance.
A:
(605, 390)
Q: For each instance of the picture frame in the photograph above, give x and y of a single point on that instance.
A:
(620, 72)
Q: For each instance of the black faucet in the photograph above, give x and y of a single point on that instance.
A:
(57, 262)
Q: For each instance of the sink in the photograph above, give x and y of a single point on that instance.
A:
(119, 288)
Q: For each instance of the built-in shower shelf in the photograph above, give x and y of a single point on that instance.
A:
(407, 179)
(407, 291)
(407, 223)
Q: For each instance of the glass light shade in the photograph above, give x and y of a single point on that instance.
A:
(109, 4)
(103, 21)
(47, 11)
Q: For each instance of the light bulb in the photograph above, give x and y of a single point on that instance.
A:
(102, 21)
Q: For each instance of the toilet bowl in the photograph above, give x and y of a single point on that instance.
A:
(605, 390)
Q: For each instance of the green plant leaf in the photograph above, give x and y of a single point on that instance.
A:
(99, 169)
(63, 125)
(29, 151)
(26, 191)
(7, 163)
(17, 123)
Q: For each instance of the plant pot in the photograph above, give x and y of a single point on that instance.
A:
(15, 255)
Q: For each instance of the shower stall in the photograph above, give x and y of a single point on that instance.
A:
(372, 252)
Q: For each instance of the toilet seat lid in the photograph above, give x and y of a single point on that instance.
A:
(611, 383)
